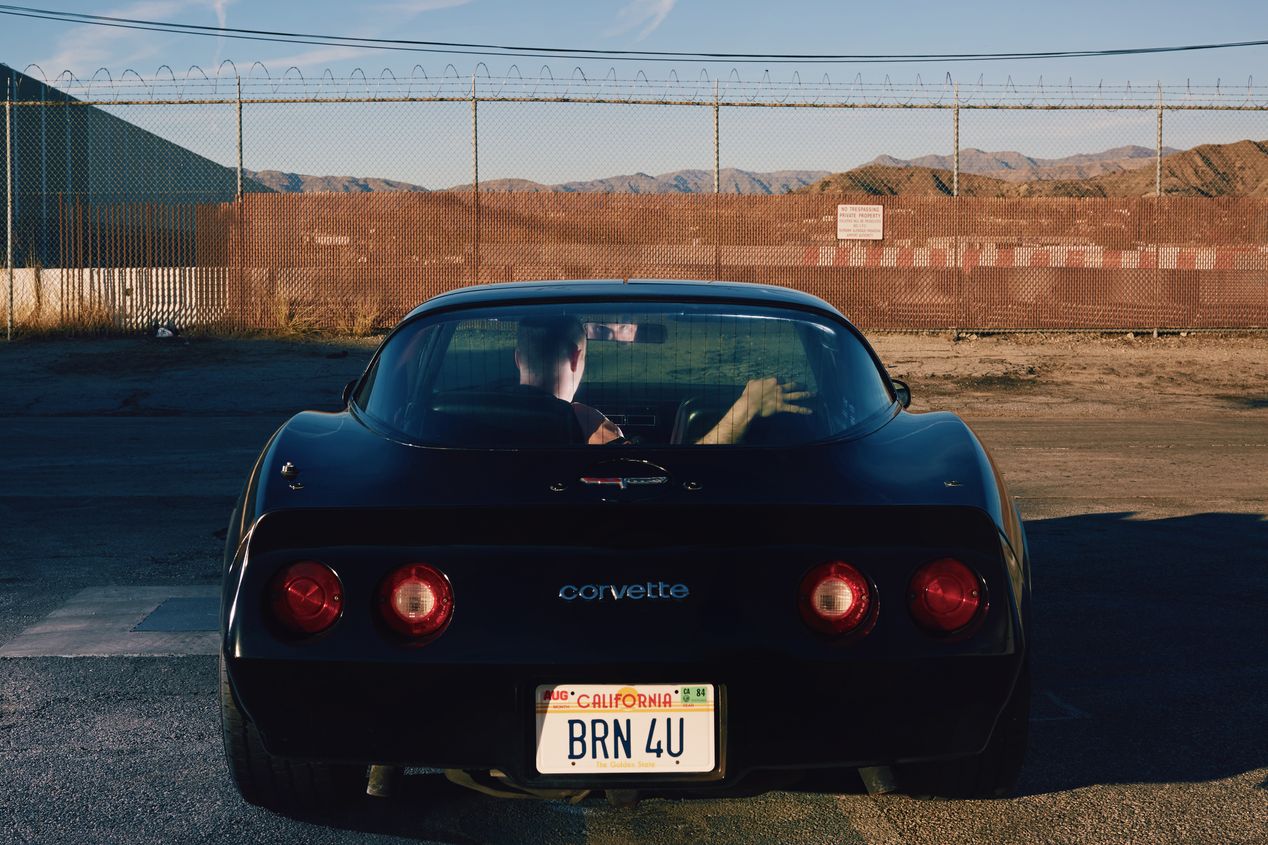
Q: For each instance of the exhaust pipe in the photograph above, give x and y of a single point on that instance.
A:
(383, 780)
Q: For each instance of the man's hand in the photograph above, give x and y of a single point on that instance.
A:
(768, 396)
(761, 397)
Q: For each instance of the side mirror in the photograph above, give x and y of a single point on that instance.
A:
(902, 392)
(347, 391)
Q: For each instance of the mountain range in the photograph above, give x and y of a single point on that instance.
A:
(732, 180)
(1236, 169)
(1015, 167)
(1239, 168)
(281, 182)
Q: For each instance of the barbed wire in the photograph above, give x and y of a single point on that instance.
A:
(258, 83)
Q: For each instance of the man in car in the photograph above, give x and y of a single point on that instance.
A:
(550, 354)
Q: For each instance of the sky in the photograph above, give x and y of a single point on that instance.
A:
(431, 145)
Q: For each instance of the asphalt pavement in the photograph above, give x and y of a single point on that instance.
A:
(121, 460)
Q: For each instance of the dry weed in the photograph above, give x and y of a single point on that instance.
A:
(293, 317)
(359, 317)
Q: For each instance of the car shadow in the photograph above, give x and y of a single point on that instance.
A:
(1148, 649)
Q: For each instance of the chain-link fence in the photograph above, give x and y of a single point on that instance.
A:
(339, 204)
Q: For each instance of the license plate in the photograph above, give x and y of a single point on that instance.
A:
(626, 729)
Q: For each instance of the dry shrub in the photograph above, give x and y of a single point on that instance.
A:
(359, 316)
(294, 317)
(84, 319)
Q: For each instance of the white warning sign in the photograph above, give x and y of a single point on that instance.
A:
(860, 222)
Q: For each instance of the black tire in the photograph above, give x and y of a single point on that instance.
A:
(991, 774)
(275, 782)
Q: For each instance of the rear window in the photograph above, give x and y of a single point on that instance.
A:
(642, 373)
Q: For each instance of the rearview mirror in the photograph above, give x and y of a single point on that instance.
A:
(626, 332)
(347, 391)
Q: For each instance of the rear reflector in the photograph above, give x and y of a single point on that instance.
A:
(416, 600)
(945, 596)
(306, 597)
(835, 598)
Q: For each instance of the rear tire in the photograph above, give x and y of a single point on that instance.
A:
(991, 774)
(276, 782)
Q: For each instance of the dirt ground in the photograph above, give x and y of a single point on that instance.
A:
(1081, 375)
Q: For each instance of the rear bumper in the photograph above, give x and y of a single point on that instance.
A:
(772, 717)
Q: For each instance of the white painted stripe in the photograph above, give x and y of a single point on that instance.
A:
(98, 622)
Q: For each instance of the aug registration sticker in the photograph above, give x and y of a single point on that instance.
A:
(626, 729)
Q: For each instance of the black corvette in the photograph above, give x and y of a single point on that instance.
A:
(642, 537)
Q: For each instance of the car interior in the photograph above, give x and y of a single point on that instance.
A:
(463, 389)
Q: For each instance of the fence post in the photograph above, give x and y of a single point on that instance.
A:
(960, 280)
(1158, 148)
(717, 157)
(717, 184)
(8, 198)
(955, 143)
(238, 195)
(475, 180)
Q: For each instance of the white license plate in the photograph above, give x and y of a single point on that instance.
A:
(626, 729)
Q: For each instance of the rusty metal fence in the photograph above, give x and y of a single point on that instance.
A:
(198, 204)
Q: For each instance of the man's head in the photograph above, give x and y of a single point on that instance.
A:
(550, 353)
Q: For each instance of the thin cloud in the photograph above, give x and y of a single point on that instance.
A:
(309, 58)
(417, 7)
(221, 8)
(323, 56)
(648, 14)
(86, 48)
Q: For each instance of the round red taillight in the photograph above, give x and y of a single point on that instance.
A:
(835, 598)
(416, 600)
(945, 596)
(306, 597)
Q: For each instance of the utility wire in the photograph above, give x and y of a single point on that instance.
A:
(519, 51)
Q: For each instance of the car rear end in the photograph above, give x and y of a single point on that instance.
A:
(625, 645)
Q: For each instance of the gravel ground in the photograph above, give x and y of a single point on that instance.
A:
(1142, 469)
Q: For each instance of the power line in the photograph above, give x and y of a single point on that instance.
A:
(519, 51)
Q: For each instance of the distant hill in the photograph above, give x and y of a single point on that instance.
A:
(1237, 169)
(300, 183)
(1210, 170)
(883, 180)
(731, 181)
(1015, 167)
